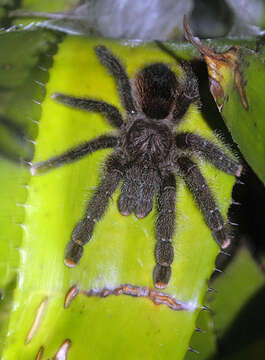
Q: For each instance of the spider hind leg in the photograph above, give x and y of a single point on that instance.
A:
(198, 186)
(209, 151)
(161, 276)
(97, 205)
(165, 226)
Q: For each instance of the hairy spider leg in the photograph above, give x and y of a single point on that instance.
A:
(147, 189)
(189, 94)
(112, 175)
(139, 187)
(165, 226)
(208, 150)
(118, 72)
(126, 200)
(202, 194)
(110, 112)
(189, 89)
(76, 153)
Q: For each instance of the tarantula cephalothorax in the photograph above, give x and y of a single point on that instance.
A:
(148, 155)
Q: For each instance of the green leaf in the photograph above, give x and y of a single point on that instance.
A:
(48, 5)
(238, 308)
(242, 106)
(122, 248)
(34, 11)
(22, 53)
(12, 197)
(203, 341)
(22, 87)
(237, 83)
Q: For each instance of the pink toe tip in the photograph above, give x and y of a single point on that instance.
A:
(226, 243)
(70, 263)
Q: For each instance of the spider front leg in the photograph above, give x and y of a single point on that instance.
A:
(165, 225)
(97, 205)
(198, 186)
(116, 69)
(110, 112)
(189, 94)
(211, 152)
(76, 153)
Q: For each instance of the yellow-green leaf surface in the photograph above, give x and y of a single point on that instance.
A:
(21, 82)
(33, 11)
(12, 196)
(48, 5)
(13, 179)
(121, 250)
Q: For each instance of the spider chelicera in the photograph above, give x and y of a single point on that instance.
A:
(147, 156)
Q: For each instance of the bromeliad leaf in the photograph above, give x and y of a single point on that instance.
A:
(119, 259)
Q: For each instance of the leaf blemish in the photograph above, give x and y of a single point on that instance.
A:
(158, 298)
(70, 295)
(39, 314)
(40, 353)
(63, 350)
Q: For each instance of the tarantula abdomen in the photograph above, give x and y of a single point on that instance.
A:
(155, 90)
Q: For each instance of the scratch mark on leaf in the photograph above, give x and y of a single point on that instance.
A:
(39, 314)
(40, 353)
(70, 295)
(63, 350)
(158, 298)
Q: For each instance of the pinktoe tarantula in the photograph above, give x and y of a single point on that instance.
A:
(147, 156)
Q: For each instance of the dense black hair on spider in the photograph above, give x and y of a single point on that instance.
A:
(148, 154)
